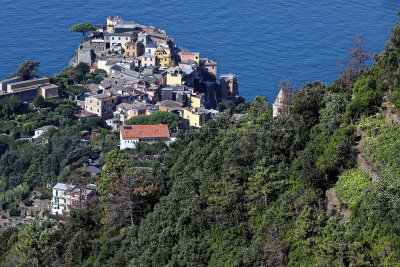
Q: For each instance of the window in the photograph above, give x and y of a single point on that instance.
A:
(98, 110)
(151, 59)
(149, 51)
(90, 108)
(56, 200)
(90, 101)
(108, 38)
(56, 192)
(112, 38)
(133, 54)
(128, 54)
(103, 48)
(97, 103)
(126, 38)
(142, 40)
(165, 65)
(151, 65)
(145, 59)
(119, 38)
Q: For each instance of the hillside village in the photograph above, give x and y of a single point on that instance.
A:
(137, 70)
(145, 72)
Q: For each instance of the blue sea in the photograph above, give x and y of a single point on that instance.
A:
(260, 41)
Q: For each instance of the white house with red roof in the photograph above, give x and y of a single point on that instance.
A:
(131, 135)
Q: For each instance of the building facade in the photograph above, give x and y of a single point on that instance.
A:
(102, 105)
(131, 135)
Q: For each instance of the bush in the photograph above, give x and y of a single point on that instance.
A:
(28, 202)
(45, 196)
(395, 99)
(351, 185)
(14, 211)
(100, 71)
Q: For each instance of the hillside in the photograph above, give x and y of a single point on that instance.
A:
(319, 186)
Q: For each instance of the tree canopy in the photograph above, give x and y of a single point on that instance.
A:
(27, 70)
(82, 28)
(161, 117)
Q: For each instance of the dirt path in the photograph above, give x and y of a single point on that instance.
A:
(333, 206)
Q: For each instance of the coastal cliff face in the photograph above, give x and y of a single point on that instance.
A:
(251, 190)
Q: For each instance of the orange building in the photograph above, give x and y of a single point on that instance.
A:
(133, 49)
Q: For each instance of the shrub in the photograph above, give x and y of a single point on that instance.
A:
(351, 185)
(45, 196)
(28, 202)
(14, 211)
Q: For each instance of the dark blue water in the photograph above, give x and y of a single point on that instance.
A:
(260, 41)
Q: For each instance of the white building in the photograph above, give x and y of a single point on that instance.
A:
(150, 48)
(67, 196)
(42, 130)
(281, 103)
(117, 39)
(131, 135)
(61, 200)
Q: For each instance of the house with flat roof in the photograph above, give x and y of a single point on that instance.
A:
(42, 130)
(131, 135)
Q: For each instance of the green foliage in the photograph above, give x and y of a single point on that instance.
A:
(39, 101)
(308, 102)
(17, 193)
(82, 28)
(27, 202)
(335, 106)
(259, 111)
(27, 70)
(8, 237)
(99, 71)
(11, 106)
(161, 117)
(382, 143)
(351, 185)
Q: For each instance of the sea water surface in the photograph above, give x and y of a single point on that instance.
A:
(260, 41)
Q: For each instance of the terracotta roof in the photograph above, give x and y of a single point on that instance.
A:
(144, 131)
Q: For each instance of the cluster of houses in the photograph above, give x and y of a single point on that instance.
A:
(147, 73)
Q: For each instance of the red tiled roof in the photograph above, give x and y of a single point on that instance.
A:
(144, 131)
(93, 67)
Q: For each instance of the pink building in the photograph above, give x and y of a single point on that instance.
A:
(189, 57)
(208, 65)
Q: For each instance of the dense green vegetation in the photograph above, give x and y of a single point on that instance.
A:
(251, 192)
(161, 117)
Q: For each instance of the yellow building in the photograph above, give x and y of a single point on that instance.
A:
(195, 101)
(164, 57)
(194, 118)
(173, 78)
